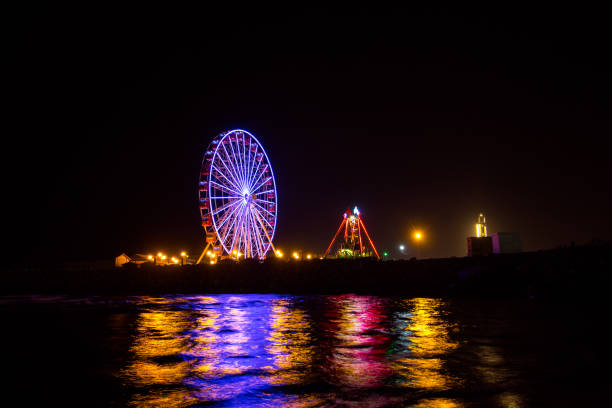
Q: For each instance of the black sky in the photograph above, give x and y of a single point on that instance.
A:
(421, 117)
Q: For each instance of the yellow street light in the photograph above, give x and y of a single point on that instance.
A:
(279, 253)
(163, 257)
(418, 237)
(296, 255)
(183, 254)
(308, 256)
(150, 257)
(159, 254)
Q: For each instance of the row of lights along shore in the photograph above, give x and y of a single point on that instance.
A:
(162, 259)
(297, 255)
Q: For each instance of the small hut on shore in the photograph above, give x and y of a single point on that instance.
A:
(124, 259)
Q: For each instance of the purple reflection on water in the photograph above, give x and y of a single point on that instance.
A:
(271, 350)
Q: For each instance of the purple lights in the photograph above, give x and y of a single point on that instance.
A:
(238, 200)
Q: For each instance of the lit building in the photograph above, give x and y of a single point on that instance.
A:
(481, 244)
(481, 226)
(498, 243)
(137, 259)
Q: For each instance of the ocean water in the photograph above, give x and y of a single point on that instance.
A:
(294, 351)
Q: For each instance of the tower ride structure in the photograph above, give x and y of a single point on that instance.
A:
(237, 197)
(354, 244)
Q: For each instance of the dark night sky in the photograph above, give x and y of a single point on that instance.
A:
(421, 117)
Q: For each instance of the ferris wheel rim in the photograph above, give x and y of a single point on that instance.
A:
(265, 248)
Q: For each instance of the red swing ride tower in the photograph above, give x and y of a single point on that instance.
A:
(353, 245)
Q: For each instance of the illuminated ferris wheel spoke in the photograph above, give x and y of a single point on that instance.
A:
(262, 184)
(233, 182)
(247, 158)
(230, 183)
(234, 158)
(224, 188)
(231, 168)
(228, 205)
(242, 238)
(258, 160)
(252, 236)
(238, 233)
(257, 174)
(260, 236)
(268, 238)
(253, 163)
(265, 192)
(259, 200)
(255, 231)
(254, 166)
(263, 209)
(259, 216)
(226, 197)
(256, 181)
(236, 236)
(228, 216)
(241, 158)
(256, 228)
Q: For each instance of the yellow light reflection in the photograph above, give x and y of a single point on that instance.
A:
(290, 344)
(148, 347)
(159, 339)
(438, 403)
(427, 339)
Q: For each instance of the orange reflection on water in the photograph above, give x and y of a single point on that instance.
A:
(425, 340)
(245, 350)
(438, 403)
(156, 338)
(155, 363)
(290, 344)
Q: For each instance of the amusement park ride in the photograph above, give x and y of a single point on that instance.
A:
(237, 196)
(238, 203)
(353, 244)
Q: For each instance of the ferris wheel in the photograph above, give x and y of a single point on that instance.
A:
(237, 194)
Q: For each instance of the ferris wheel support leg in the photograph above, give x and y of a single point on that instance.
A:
(203, 252)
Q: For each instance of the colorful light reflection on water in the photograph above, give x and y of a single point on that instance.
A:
(285, 351)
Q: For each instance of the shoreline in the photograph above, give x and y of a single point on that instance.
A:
(581, 272)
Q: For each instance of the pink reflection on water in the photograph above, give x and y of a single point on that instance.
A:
(357, 338)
